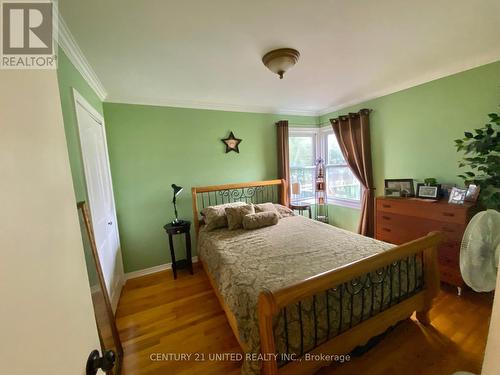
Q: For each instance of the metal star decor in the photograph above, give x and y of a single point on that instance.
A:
(232, 143)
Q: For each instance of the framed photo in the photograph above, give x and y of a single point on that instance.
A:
(446, 190)
(428, 192)
(405, 185)
(457, 196)
(472, 193)
(394, 193)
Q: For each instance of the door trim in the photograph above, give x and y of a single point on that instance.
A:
(80, 101)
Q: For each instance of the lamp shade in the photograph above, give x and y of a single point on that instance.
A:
(279, 61)
(177, 189)
(296, 188)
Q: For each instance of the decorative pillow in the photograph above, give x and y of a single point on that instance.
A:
(266, 207)
(284, 211)
(260, 220)
(235, 215)
(215, 216)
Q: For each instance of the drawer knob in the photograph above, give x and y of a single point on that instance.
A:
(449, 214)
(386, 205)
(386, 218)
(386, 229)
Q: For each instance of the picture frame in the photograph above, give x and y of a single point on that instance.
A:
(457, 196)
(446, 190)
(472, 193)
(405, 185)
(392, 193)
(428, 191)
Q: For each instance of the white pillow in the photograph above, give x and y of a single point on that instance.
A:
(260, 220)
(215, 216)
(266, 207)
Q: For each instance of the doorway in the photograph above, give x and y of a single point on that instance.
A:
(101, 201)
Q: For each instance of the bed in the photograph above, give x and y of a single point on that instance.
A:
(301, 292)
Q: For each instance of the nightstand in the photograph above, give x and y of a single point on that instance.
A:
(173, 230)
(301, 207)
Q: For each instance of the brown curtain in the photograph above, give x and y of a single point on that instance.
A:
(283, 156)
(353, 134)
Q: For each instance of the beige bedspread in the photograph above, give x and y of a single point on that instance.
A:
(243, 263)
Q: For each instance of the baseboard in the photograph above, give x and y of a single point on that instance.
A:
(117, 292)
(149, 271)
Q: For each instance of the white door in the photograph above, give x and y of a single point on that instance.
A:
(100, 194)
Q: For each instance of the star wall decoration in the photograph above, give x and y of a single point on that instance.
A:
(232, 143)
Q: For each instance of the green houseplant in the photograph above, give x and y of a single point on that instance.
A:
(482, 160)
(430, 181)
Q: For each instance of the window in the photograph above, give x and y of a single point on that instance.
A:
(302, 148)
(308, 145)
(341, 184)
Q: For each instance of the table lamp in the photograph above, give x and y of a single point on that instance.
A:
(177, 190)
(296, 189)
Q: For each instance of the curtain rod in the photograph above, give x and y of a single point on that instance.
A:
(328, 122)
(369, 110)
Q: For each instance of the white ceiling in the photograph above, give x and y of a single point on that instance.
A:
(207, 53)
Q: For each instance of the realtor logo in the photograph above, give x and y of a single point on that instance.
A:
(27, 35)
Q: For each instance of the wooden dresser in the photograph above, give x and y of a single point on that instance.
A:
(399, 220)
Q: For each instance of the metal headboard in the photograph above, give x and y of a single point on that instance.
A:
(249, 192)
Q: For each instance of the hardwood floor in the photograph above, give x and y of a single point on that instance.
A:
(157, 316)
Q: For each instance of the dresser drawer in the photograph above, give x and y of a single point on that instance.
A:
(410, 228)
(450, 275)
(403, 220)
(449, 252)
(423, 209)
(453, 232)
(415, 227)
(399, 228)
(449, 261)
(390, 237)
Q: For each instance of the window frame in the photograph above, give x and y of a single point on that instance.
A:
(313, 133)
(351, 203)
(320, 145)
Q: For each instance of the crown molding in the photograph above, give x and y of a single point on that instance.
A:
(459, 67)
(68, 43)
(192, 104)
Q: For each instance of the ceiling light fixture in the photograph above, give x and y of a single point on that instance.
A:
(280, 60)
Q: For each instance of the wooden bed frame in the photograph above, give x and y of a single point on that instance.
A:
(271, 302)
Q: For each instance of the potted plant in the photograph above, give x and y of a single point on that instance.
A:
(430, 182)
(481, 159)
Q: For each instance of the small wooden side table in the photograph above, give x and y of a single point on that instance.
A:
(301, 207)
(172, 230)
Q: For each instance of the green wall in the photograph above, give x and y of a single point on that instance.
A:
(412, 131)
(69, 78)
(152, 147)
(344, 217)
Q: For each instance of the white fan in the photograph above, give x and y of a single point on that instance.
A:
(480, 251)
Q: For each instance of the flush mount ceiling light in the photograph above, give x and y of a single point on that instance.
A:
(280, 60)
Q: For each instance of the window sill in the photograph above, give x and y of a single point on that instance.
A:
(335, 202)
(307, 200)
(345, 203)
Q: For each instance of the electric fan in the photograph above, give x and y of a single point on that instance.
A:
(479, 253)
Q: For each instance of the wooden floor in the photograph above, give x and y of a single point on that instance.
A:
(158, 317)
